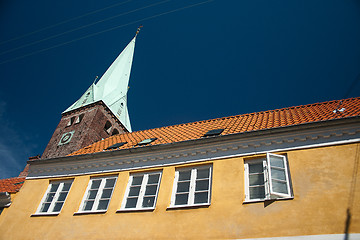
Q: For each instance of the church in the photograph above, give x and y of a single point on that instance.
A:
(290, 173)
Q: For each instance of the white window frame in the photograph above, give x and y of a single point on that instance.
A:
(192, 191)
(55, 198)
(270, 193)
(98, 195)
(144, 183)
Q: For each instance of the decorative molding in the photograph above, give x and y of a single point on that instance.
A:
(194, 151)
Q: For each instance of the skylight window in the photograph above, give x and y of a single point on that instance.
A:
(116, 145)
(214, 132)
(146, 141)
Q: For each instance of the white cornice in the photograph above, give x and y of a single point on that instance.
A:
(195, 151)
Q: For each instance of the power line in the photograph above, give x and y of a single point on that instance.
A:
(107, 30)
(78, 28)
(61, 23)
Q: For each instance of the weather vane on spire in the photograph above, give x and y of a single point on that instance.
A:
(138, 30)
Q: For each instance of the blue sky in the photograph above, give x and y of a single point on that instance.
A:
(194, 60)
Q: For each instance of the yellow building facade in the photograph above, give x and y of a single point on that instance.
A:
(298, 181)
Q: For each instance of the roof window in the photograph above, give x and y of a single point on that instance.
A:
(116, 145)
(214, 132)
(146, 141)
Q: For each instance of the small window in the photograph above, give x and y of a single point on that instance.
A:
(71, 121)
(98, 194)
(192, 187)
(107, 126)
(116, 145)
(79, 118)
(141, 191)
(214, 132)
(267, 178)
(146, 141)
(115, 132)
(54, 197)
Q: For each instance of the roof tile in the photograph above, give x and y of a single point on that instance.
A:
(289, 116)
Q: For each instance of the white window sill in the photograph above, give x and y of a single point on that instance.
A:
(265, 200)
(44, 214)
(188, 206)
(135, 210)
(89, 212)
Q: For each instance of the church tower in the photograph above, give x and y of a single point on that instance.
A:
(99, 113)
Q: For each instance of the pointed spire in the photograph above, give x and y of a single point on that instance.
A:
(113, 86)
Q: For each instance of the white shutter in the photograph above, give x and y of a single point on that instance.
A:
(278, 176)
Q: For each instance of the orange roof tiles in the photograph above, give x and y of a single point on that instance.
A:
(289, 116)
(11, 185)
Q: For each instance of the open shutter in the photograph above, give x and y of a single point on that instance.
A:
(278, 176)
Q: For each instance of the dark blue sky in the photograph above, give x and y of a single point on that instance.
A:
(215, 59)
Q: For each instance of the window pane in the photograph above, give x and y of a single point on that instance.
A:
(137, 180)
(62, 196)
(106, 193)
(181, 199)
(202, 185)
(134, 191)
(278, 174)
(257, 192)
(256, 179)
(276, 161)
(50, 197)
(148, 202)
(203, 173)
(131, 202)
(110, 183)
(183, 187)
(54, 187)
(95, 184)
(256, 168)
(151, 190)
(58, 206)
(92, 194)
(184, 175)
(279, 187)
(201, 197)
(45, 207)
(66, 187)
(103, 204)
(153, 178)
(88, 205)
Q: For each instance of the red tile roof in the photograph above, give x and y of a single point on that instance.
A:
(11, 185)
(234, 124)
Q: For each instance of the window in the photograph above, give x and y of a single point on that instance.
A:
(192, 187)
(116, 145)
(54, 197)
(71, 121)
(115, 132)
(79, 118)
(267, 178)
(146, 141)
(142, 190)
(107, 127)
(214, 132)
(98, 194)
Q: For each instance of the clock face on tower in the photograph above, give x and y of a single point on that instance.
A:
(66, 138)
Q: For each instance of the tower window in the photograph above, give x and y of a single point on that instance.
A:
(79, 118)
(107, 126)
(71, 121)
(115, 131)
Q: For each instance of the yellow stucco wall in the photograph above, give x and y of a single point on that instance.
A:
(321, 179)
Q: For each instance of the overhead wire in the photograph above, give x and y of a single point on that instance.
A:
(107, 30)
(84, 26)
(63, 22)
